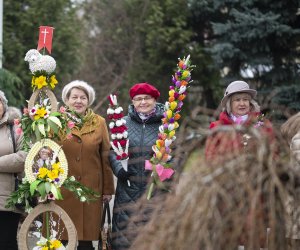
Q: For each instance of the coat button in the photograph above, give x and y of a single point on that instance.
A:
(79, 140)
(78, 158)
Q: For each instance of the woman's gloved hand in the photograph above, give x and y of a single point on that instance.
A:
(123, 175)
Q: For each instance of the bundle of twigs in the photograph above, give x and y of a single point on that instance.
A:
(238, 201)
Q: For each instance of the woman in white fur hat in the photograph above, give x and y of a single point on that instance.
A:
(87, 154)
(11, 162)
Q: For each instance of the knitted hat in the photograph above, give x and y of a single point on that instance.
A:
(3, 100)
(237, 87)
(79, 84)
(144, 89)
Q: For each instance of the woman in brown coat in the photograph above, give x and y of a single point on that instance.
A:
(87, 154)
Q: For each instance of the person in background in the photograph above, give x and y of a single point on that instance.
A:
(87, 152)
(239, 109)
(234, 135)
(290, 130)
(12, 160)
(143, 121)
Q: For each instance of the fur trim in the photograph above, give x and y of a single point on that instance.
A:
(12, 114)
(3, 100)
(81, 84)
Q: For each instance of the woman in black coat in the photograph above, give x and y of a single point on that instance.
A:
(143, 121)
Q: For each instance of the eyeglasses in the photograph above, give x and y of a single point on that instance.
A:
(140, 99)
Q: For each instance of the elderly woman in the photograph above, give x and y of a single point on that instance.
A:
(11, 163)
(87, 153)
(233, 135)
(239, 108)
(143, 120)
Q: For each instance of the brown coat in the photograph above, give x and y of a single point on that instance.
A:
(87, 154)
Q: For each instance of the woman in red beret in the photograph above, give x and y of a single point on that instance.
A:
(143, 120)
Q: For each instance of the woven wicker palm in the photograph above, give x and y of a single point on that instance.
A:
(48, 93)
(40, 209)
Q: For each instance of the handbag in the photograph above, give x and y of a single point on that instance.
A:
(105, 240)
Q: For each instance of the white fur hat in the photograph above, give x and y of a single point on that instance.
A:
(3, 100)
(79, 84)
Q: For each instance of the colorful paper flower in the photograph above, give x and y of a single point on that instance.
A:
(41, 122)
(159, 164)
(42, 79)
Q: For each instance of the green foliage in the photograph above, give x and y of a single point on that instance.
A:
(165, 37)
(261, 36)
(21, 21)
(11, 85)
(258, 33)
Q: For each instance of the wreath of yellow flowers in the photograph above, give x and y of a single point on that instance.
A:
(59, 168)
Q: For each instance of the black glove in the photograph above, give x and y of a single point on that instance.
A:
(123, 175)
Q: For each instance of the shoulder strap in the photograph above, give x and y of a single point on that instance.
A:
(13, 140)
(106, 211)
(12, 136)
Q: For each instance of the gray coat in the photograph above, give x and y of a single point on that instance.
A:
(142, 136)
(10, 162)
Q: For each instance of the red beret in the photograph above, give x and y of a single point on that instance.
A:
(144, 89)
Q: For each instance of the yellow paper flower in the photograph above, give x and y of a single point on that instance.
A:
(53, 174)
(56, 165)
(173, 105)
(42, 173)
(171, 133)
(40, 82)
(185, 73)
(33, 81)
(169, 113)
(55, 244)
(171, 93)
(53, 81)
(40, 113)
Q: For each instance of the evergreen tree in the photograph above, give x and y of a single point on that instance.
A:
(255, 40)
(135, 41)
(11, 84)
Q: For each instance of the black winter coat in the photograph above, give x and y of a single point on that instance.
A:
(142, 136)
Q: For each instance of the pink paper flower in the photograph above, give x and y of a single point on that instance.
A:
(164, 173)
(69, 136)
(19, 131)
(148, 165)
(16, 122)
(71, 124)
(25, 111)
(50, 196)
(62, 109)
